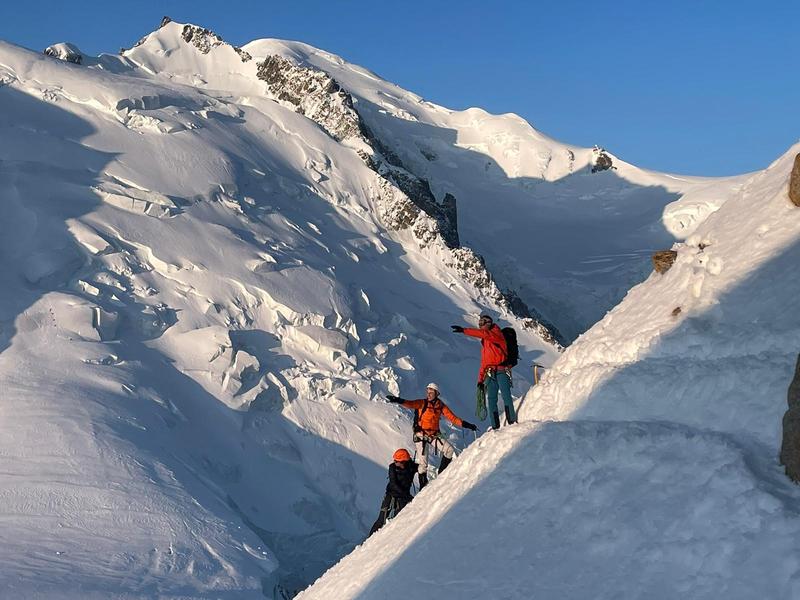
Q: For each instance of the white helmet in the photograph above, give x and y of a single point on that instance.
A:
(433, 386)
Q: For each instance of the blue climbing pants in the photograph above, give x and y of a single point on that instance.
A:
(500, 380)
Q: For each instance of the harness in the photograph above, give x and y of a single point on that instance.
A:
(492, 371)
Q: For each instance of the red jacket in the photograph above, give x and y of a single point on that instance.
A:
(429, 419)
(493, 348)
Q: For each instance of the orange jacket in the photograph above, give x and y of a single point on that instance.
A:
(429, 418)
(493, 348)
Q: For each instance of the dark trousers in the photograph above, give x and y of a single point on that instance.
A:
(389, 508)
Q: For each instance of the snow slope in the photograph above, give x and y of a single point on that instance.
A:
(202, 305)
(569, 241)
(647, 463)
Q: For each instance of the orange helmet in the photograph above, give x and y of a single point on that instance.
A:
(401, 455)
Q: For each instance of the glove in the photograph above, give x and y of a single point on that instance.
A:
(468, 425)
(394, 399)
(457, 328)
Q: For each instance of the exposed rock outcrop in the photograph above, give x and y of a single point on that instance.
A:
(663, 259)
(318, 96)
(66, 52)
(314, 94)
(794, 182)
(601, 161)
(473, 269)
(201, 38)
(205, 40)
(790, 448)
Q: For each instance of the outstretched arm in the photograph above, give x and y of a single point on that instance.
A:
(478, 333)
(451, 416)
(413, 404)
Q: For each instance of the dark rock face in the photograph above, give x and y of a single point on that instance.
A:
(65, 52)
(164, 20)
(794, 182)
(790, 448)
(245, 56)
(405, 200)
(205, 40)
(472, 267)
(602, 161)
(428, 154)
(314, 94)
(663, 259)
(318, 96)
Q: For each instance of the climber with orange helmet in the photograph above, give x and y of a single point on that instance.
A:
(398, 490)
(429, 411)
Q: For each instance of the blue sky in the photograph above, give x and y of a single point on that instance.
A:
(700, 87)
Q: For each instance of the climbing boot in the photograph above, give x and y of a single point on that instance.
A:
(510, 418)
(495, 420)
(443, 464)
(423, 480)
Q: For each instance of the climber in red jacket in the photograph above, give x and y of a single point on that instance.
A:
(494, 373)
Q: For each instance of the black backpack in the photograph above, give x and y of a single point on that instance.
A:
(512, 348)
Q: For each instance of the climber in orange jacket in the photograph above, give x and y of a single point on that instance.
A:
(495, 373)
(429, 411)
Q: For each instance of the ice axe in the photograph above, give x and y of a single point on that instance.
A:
(536, 367)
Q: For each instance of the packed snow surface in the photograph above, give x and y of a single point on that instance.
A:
(202, 308)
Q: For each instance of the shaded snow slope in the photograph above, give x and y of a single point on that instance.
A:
(648, 463)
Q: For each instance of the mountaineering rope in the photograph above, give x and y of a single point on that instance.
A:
(480, 402)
